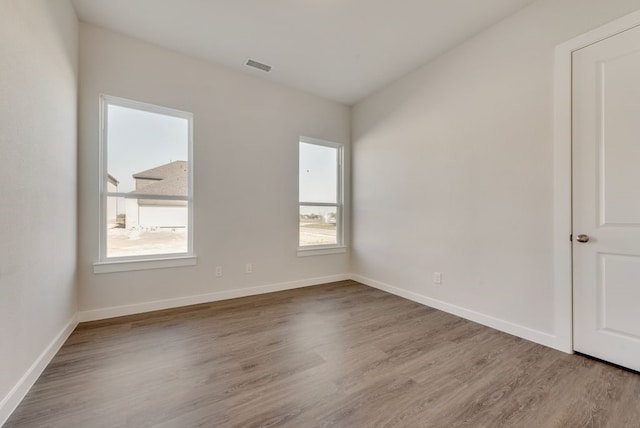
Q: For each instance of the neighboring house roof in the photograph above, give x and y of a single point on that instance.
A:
(168, 179)
(161, 172)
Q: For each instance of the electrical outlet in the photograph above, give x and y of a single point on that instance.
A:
(218, 271)
(248, 268)
(437, 278)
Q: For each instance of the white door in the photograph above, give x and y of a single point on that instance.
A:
(606, 199)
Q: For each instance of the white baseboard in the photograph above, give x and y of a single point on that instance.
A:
(536, 336)
(20, 390)
(118, 311)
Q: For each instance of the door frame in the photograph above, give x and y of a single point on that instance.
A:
(562, 174)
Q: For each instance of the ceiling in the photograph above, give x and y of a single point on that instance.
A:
(339, 49)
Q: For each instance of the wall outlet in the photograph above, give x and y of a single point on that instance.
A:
(437, 278)
(218, 271)
(248, 268)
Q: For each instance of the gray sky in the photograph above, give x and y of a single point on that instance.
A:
(318, 166)
(140, 140)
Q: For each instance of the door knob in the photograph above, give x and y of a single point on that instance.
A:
(582, 238)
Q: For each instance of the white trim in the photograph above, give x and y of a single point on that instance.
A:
(536, 336)
(562, 180)
(117, 311)
(340, 229)
(148, 107)
(127, 195)
(318, 204)
(127, 265)
(321, 250)
(11, 401)
(319, 142)
(105, 101)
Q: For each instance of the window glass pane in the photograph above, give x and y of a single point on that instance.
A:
(147, 152)
(141, 227)
(318, 173)
(318, 225)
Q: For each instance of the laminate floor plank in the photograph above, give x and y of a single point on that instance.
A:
(335, 355)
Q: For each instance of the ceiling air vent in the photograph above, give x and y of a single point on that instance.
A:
(258, 65)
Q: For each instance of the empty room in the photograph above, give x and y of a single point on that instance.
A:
(319, 213)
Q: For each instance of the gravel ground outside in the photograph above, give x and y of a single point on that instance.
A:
(146, 241)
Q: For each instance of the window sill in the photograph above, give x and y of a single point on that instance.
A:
(321, 251)
(143, 264)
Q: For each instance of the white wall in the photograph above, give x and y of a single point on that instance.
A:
(245, 192)
(453, 172)
(38, 63)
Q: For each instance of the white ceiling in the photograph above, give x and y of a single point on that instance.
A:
(340, 49)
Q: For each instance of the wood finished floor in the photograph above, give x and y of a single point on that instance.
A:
(336, 355)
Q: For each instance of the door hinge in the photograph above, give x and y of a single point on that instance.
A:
(571, 237)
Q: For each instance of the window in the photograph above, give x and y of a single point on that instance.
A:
(146, 181)
(320, 194)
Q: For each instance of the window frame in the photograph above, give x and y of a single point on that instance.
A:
(339, 246)
(147, 261)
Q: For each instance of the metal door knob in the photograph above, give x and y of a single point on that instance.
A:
(582, 238)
